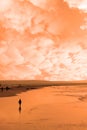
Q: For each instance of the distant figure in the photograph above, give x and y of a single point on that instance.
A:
(20, 102)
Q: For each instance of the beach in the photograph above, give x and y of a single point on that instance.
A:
(46, 108)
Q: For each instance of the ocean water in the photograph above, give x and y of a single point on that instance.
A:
(48, 108)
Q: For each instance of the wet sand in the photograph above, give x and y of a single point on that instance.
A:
(48, 108)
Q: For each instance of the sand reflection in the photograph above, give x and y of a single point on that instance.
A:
(50, 108)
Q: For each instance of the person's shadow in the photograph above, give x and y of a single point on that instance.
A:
(20, 109)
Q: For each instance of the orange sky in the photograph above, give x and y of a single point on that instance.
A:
(44, 39)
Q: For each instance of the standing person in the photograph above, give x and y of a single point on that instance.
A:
(20, 102)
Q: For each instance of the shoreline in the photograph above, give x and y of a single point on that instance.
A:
(10, 88)
(36, 83)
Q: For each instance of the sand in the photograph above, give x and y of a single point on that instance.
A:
(46, 108)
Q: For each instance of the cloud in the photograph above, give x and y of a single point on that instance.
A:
(5, 5)
(81, 4)
(37, 42)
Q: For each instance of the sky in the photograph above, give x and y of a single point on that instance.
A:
(43, 40)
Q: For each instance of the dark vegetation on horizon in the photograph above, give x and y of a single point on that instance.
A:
(14, 87)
